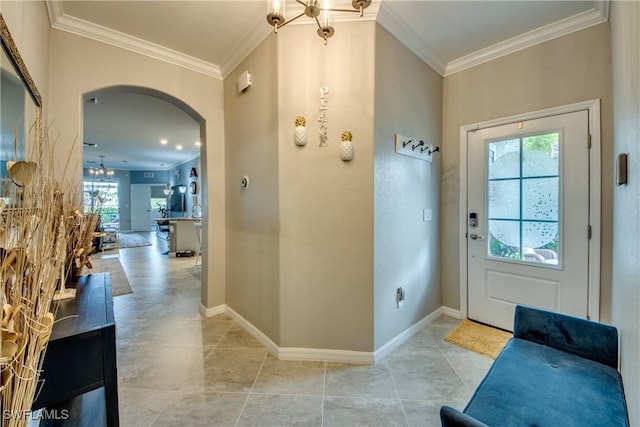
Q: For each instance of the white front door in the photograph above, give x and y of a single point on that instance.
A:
(140, 207)
(528, 218)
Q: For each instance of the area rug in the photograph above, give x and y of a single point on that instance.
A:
(132, 240)
(479, 338)
(119, 282)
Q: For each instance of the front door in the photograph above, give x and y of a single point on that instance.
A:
(528, 218)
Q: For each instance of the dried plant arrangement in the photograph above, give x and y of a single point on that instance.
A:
(37, 229)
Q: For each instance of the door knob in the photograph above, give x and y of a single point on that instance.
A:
(476, 237)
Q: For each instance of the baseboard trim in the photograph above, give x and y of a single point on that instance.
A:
(211, 311)
(404, 336)
(452, 312)
(253, 331)
(328, 355)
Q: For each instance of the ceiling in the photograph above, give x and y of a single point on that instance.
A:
(213, 36)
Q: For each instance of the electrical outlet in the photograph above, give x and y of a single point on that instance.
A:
(400, 295)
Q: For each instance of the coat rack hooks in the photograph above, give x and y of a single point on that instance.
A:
(416, 148)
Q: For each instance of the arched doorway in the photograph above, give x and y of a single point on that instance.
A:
(140, 145)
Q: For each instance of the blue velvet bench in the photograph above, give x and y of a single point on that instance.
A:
(557, 370)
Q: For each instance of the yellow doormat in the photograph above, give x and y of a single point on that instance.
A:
(479, 338)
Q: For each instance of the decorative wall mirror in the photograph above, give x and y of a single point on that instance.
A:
(20, 109)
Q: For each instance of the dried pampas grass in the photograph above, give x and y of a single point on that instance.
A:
(36, 235)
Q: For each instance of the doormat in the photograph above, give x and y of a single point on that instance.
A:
(479, 338)
(119, 282)
(132, 240)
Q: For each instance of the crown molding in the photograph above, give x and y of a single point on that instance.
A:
(386, 17)
(401, 30)
(586, 19)
(244, 48)
(80, 27)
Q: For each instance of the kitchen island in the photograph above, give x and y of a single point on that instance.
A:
(182, 233)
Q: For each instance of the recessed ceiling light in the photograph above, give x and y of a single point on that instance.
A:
(163, 141)
(198, 143)
(178, 147)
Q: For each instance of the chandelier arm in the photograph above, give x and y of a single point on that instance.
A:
(291, 20)
(302, 3)
(340, 10)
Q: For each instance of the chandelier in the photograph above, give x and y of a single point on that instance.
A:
(312, 9)
(101, 173)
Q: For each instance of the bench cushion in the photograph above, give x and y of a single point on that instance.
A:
(584, 338)
(531, 384)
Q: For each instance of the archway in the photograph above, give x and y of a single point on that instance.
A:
(123, 127)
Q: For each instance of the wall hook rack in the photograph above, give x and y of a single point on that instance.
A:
(408, 146)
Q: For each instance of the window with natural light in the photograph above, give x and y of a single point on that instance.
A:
(101, 198)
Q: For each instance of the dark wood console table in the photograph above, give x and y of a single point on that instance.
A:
(81, 354)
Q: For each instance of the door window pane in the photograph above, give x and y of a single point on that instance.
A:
(540, 198)
(540, 155)
(504, 199)
(504, 239)
(504, 159)
(523, 198)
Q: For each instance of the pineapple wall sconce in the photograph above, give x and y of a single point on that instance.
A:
(346, 146)
(300, 133)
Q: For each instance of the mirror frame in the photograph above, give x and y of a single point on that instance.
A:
(11, 50)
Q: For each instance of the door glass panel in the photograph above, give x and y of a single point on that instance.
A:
(523, 207)
(504, 239)
(540, 198)
(504, 159)
(504, 199)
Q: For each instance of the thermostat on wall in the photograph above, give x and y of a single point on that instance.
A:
(244, 182)
(244, 81)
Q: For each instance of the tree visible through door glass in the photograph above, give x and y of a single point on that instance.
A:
(523, 198)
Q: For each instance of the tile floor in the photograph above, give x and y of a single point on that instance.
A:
(178, 369)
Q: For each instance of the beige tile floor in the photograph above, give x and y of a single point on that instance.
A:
(178, 369)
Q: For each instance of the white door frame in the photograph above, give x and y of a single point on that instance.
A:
(593, 107)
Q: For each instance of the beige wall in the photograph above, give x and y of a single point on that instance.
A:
(80, 65)
(625, 292)
(570, 69)
(326, 205)
(251, 140)
(408, 101)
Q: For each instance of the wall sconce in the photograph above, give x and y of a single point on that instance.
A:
(182, 189)
(300, 133)
(346, 146)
